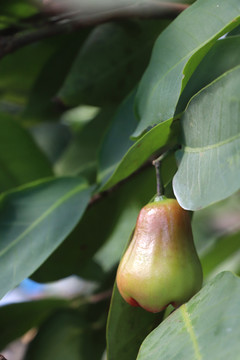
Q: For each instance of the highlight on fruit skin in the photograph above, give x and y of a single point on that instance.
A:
(161, 265)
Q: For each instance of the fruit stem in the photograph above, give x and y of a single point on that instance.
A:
(160, 187)
(157, 163)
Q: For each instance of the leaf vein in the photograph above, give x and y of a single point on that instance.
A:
(190, 330)
(190, 149)
(41, 218)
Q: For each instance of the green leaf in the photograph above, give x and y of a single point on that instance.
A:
(122, 51)
(127, 328)
(217, 237)
(221, 251)
(17, 319)
(20, 69)
(34, 220)
(211, 142)
(80, 157)
(96, 244)
(116, 141)
(176, 54)
(52, 138)
(40, 103)
(207, 327)
(137, 154)
(223, 56)
(234, 32)
(64, 335)
(20, 159)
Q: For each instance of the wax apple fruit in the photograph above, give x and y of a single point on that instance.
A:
(160, 266)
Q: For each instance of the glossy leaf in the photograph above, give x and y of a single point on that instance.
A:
(137, 154)
(17, 319)
(116, 141)
(207, 327)
(223, 56)
(211, 142)
(129, 325)
(176, 54)
(34, 220)
(122, 51)
(20, 158)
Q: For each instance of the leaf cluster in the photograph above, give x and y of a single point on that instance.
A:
(85, 106)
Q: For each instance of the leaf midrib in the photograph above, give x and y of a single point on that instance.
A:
(190, 330)
(42, 217)
(189, 149)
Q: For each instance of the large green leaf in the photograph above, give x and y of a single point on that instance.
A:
(21, 160)
(122, 51)
(116, 141)
(223, 56)
(127, 328)
(211, 145)
(17, 319)
(207, 327)
(34, 220)
(137, 154)
(64, 335)
(102, 233)
(176, 54)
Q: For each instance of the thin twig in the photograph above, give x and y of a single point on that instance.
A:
(96, 298)
(91, 299)
(9, 44)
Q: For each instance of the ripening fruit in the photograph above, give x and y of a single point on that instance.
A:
(161, 265)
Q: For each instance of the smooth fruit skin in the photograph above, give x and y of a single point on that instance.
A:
(161, 265)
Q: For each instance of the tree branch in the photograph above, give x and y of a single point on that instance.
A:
(9, 44)
(76, 20)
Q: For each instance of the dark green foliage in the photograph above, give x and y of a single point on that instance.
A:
(86, 104)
